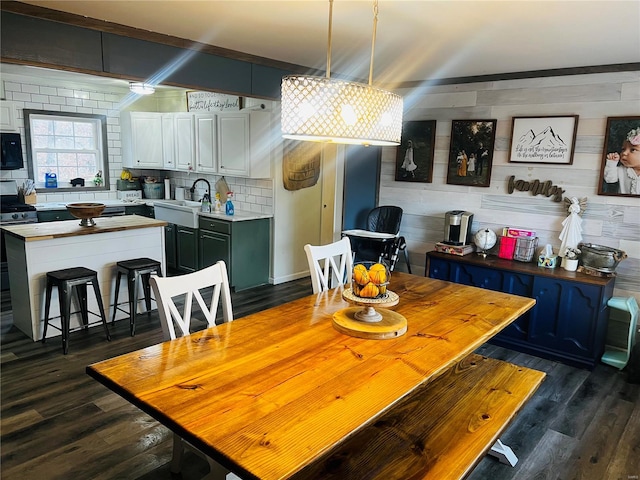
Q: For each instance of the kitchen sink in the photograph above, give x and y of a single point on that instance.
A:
(179, 212)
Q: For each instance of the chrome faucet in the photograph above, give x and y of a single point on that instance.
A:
(206, 195)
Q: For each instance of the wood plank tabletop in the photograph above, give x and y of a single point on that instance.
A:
(30, 232)
(267, 394)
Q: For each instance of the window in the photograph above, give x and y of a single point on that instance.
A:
(70, 145)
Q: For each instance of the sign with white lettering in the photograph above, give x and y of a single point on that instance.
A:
(543, 139)
(212, 102)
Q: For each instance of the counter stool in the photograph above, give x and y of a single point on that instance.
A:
(66, 280)
(135, 270)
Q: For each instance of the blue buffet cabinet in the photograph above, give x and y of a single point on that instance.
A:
(568, 322)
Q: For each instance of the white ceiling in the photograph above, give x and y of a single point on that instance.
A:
(416, 40)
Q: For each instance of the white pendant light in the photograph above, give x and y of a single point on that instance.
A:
(141, 88)
(323, 109)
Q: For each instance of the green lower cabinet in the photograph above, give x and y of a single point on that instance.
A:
(243, 245)
(187, 248)
(54, 216)
(170, 245)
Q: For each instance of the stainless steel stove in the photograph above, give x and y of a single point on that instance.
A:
(12, 212)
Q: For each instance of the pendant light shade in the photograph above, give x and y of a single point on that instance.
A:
(329, 110)
(323, 109)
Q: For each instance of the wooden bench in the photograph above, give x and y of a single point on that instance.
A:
(440, 431)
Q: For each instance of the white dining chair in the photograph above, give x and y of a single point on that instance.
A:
(330, 265)
(187, 287)
(167, 291)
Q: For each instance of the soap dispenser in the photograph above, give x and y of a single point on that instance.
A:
(206, 204)
(228, 208)
(217, 206)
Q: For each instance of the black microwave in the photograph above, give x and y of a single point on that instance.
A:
(11, 151)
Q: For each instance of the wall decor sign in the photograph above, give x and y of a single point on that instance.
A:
(471, 152)
(300, 164)
(414, 156)
(212, 102)
(620, 169)
(536, 187)
(543, 139)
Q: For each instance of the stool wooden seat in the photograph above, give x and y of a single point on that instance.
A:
(135, 269)
(67, 280)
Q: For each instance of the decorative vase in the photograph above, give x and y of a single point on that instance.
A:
(570, 264)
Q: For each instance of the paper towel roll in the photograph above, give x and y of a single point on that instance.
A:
(167, 189)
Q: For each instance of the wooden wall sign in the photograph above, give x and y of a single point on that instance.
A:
(212, 102)
(536, 187)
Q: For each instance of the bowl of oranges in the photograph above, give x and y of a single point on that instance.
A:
(370, 280)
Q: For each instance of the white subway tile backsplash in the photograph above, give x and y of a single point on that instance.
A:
(48, 90)
(27, 88)
(25, 97)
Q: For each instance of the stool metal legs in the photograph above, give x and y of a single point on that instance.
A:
(65, 293)
(134, 278)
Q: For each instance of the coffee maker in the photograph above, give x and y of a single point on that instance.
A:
(457, 227)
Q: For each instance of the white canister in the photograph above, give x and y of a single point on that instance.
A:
(179, 193)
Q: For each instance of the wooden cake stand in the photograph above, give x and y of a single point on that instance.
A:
(368, 322)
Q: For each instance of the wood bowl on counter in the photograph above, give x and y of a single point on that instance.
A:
(86, 211)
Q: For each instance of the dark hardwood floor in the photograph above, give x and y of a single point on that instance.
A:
(58, 423)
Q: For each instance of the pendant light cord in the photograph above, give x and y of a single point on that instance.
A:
(329, 40)
(373, 39)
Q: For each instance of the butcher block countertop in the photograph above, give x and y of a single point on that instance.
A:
(32, 232)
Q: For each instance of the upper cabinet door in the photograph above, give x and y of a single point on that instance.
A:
(142, 140)
(206, 143)
(184, 137)
(8, 117)
(233, 147)
(168, 142)
(244, 148)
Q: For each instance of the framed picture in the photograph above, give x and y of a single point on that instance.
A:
(543, 139)
(471, 152)
(414, 156)
(620, 169)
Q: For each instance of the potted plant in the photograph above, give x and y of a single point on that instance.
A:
(570, 261)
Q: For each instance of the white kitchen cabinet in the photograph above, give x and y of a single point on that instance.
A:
(185, 141)
(168, 142)
(243, 147)
(142, 140)
(206, 143)
(8, 116)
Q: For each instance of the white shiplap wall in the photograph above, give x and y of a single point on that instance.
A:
(608, 220)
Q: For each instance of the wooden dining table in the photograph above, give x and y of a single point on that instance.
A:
(270, 393)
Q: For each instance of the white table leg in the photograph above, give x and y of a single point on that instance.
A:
(503, 453)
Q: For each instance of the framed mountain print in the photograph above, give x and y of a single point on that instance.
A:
(543, 139)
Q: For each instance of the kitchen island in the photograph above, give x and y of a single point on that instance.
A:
(37, 248)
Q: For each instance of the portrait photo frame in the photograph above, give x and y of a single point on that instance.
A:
(622, 138)
(546, 140)
(414, 156)
(471, 152)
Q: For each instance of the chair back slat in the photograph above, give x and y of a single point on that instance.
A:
(330, 265)
(187, 287)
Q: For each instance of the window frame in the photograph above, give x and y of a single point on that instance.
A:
(102, 119)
